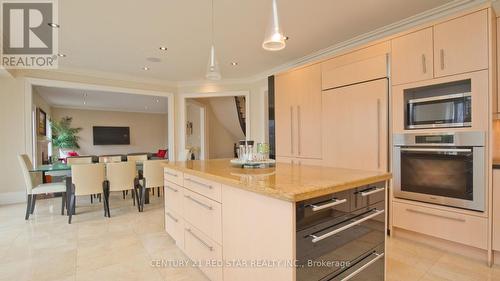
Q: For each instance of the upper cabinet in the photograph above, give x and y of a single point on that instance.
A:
(453, 47)
(298, 113)
(412, 57)
(461, 45)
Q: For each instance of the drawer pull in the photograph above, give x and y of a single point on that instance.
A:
(373, 260)
(372, 191)
(171, 188)
(199, 202)
(316, 239)
(435, 215)
(199, 239)
(199, 183)
(172, 217)
(334, 202)
(171, 174)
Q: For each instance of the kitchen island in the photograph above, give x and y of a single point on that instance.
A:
(288, 222)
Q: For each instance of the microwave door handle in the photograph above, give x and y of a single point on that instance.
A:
(436, 149)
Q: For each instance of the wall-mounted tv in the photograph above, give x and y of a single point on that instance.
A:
(111, 135)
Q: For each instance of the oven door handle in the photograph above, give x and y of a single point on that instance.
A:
(372, 261)
(334, 202)
(437, 149)
(316, 239)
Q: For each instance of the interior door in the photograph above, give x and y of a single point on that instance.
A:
(355, 126)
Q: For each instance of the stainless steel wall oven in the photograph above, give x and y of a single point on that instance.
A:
(441, 168)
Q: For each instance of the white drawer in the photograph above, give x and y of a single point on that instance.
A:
(172, 175)
(201, 249)
(204, 214)
(456, 227)
(173, 197)
(174, 225)
(204, 187)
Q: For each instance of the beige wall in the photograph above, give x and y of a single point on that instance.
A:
(148, 132)
(12, 138)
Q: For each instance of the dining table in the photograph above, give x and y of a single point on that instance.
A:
(63, 167)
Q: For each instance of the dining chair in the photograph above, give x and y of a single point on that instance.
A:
(121, 177)
(88, 179)
(76, 160)
(34, 187)
(137, 157)
(152, 177)
(110, 158)
(79, 160)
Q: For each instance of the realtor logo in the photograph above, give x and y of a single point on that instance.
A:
(28, 41)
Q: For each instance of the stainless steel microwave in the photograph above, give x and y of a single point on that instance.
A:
(445, 111)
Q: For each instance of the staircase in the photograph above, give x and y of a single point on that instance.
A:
(240, 109)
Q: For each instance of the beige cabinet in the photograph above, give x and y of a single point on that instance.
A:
(355, 126)
(461, 44)
(453, 47)
(412, 57)
(298, 113)
(496, 210)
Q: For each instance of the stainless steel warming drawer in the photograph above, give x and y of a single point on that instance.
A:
(342, 236)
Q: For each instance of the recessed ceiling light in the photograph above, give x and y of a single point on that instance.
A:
(146, 107)
(234, 63)
(84, 102)
(53, 25)
(163, 48)
(145, 68)
(157, 100)
(286, 38)
(61, 55)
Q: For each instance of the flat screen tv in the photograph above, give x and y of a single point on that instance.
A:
(111, 135)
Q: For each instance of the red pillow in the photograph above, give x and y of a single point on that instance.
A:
(161, 153)
(72, 153)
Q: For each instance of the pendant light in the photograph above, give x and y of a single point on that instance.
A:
(213, 71)
(274, 40)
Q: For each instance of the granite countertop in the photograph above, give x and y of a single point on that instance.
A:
(284, 181)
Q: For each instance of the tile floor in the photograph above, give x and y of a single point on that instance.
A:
(46, 248)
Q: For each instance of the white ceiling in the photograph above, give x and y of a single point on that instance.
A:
(101, 100)
(117, 36)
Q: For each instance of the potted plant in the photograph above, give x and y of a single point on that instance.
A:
(64, 137)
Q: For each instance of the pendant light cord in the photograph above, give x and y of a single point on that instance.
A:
(213, 25)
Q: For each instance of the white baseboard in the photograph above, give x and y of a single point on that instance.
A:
(12, 197)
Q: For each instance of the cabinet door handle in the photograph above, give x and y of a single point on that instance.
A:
(171, 188)
(441, 57)
(171, 174)
(199, 183)
(373, 260)
(172, 217)
(316, 239)
(334, 202)
(424, 65)
(299, 129)
(199, 239)
(199, 202)
(435, 215)
(378, 133)
(291, 129)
